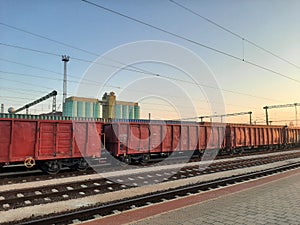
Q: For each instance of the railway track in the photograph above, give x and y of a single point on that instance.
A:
(13, 175)
(120, 206)
(12, 199)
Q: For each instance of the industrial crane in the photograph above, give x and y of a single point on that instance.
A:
(52, 94)
(281, 106)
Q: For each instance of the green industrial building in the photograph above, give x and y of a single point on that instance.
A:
(107, 108)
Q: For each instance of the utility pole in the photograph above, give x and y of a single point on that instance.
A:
(267, 116)
(227, 115)
(296, 115)
(282, 106)
(65, 59)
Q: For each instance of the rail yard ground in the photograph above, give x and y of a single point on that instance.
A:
(138, 177)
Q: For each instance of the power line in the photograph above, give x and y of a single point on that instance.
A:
(135, 69)
(28, 49)
(73, 58)
(158, 28)
(186, 39)
(30, 75)
(57, 42)
(21, 89)
(46, 38)
(50, 78)
(233, 33)
(46, 70)
(30, 66)
(25, 91)
(10, 97)
(145, 72)
(21, 82)
(52, 40)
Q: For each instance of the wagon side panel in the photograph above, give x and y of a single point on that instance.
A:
(24, 140)
(156, 138)
(5, 140)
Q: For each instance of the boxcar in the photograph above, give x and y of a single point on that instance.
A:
(50, 144)
(243, 136)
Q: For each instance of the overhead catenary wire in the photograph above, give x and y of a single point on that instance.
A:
(154, 27)
(234, 33)
(59, 55)
(68, 45)
(30, 66)
(135, 69)
(50, 78)
(22, 90)
(50, 71)
(47, 38)
(30, 84)
(95, 54)
(187, 39)
(138, 69)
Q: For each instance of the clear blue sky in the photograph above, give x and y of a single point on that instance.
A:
(273, 25)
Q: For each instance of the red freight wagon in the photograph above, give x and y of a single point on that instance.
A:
(49, 143)
(243, 136)
(212, 136)
(292, 136)
(138, 140)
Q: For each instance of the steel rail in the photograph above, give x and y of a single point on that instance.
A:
(155, 197)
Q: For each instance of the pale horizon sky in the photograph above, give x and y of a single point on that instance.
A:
(272, 24)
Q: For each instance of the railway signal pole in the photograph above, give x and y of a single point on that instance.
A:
(281, 106)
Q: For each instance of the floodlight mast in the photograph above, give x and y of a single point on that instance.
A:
(65, 59)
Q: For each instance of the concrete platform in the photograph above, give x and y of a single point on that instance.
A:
(270, 200)
(277, 202)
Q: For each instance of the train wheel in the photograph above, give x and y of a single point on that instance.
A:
(82, 165)
(199, 154)
(127, 159)
(145, 158)
(51, 167)
(241, 151)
